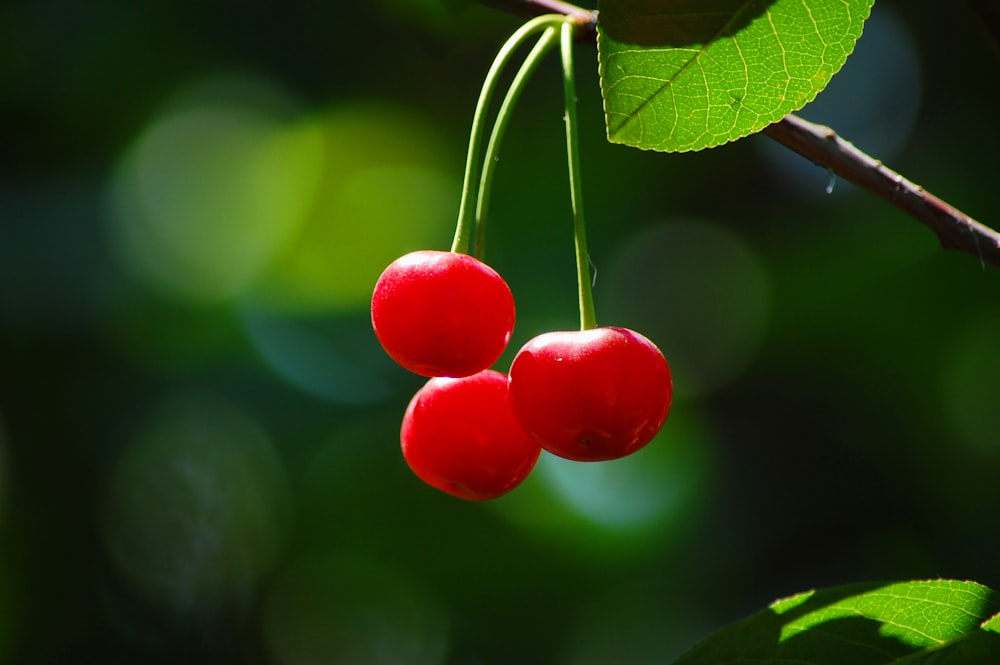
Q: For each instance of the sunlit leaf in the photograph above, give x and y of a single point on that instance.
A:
(865, 624)
(681, 75)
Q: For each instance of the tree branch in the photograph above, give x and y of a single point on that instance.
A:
(538, 7)
(822, 146)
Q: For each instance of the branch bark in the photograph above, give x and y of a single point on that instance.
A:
(822, 146)
(538, 7)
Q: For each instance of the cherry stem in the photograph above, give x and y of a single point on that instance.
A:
(588, 317)
(466, 213)
(541, 48)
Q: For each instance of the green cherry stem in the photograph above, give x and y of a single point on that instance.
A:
(544, 44)
(588, 317)
(463, 230)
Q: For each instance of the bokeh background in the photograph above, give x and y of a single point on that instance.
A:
(199, 455)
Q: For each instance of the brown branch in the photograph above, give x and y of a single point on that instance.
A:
(822, 146)
(538, 7)
(586, 19)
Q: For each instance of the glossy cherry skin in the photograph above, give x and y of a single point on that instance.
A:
(442, 313)
(591, 395)
(460, 436)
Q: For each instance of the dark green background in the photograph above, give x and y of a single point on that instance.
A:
(217, 480)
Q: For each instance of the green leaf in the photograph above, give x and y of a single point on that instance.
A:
(681, 75)
(903, 623)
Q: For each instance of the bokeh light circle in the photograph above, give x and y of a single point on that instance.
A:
(334, 607)
(196, 507)
(209, 194)
(622, 509)
(389, 186)
(332, 359)
(698, 291)
(971, 385)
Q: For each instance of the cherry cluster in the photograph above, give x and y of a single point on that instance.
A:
(588, 395)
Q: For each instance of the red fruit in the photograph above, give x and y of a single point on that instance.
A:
(442, 313)
(460, 436)
(591, 395)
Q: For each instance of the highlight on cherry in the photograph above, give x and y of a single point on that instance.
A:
(593, 394)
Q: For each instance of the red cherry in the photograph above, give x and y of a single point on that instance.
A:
(591, 395)
(460, 436)
(442, 313)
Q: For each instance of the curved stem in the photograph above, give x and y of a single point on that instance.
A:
(463, 230)
(541, 48)
(588, 317)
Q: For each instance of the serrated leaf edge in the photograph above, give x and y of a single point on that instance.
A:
(757, 127)
(912, 657)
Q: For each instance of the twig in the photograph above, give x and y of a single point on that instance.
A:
(822, 146)
(538, 7)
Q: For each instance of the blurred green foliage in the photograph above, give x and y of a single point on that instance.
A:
(199, 434)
